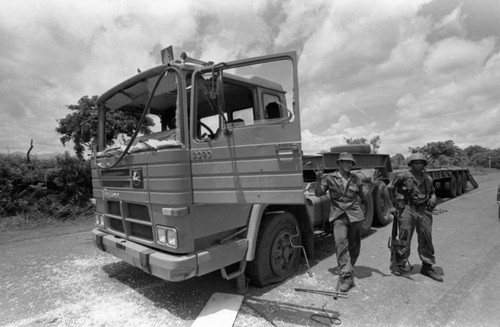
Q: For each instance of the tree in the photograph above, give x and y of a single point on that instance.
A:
(375, 142)
(473, 149)
(442, 153)
(84, 119)
(361, 140)
(486, 159)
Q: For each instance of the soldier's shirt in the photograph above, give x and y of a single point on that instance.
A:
(344, 196)
(414, 190)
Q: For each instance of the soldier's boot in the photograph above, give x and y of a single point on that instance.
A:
(398, 271)
(427, 270)
(346, 284)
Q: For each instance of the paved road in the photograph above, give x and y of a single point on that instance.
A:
(55, 277)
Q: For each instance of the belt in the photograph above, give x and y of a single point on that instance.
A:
(415, 205)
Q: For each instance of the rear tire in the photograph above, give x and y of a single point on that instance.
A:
(367, 207)
(460, 182)
(451, 186)
(464, 183)
(275, 258)
(381, 204)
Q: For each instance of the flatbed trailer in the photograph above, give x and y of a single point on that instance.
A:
(449, 182)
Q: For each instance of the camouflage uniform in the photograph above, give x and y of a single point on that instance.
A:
(347, 217)
(415, 214)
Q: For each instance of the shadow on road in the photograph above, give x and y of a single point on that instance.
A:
(186, 299)
(291, 313)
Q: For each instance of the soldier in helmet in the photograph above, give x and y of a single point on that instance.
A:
(416, 191)
(345, 189)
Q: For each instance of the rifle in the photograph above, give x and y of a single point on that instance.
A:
(395, 244)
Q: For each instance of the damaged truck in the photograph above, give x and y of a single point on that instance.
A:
(221, 183)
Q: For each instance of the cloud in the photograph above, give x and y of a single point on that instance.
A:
(411, 72)
(454, 57)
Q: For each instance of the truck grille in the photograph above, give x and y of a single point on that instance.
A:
(130, 219)
(112, 178)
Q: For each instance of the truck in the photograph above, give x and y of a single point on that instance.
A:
(222, 182)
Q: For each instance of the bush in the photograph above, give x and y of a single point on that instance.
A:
(59, 188)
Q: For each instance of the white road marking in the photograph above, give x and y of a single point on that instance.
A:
(220, 310)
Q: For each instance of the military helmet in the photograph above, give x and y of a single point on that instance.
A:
(346, 156)
(417, 157)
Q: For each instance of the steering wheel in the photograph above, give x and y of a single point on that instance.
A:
(209, 130)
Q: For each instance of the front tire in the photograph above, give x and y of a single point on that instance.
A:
(275, 258)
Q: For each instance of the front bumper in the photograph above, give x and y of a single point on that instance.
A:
(171, 267)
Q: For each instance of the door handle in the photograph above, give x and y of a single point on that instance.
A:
(284, 149)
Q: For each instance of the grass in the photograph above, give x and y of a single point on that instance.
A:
(22, 222)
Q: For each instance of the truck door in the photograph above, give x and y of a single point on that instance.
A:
(245, 132)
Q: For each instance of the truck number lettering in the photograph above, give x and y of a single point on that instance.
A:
(201, 155)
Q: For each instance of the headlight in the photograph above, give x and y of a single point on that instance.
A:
(167, 236)
(99, 220)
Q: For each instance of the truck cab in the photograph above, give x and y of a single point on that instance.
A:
(221, 170)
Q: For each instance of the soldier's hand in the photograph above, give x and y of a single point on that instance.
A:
(375, 177)
(319, 170)
(432, 203)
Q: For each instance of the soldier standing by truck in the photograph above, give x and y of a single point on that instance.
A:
(417, 202)
(346, 214)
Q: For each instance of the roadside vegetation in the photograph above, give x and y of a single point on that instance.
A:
(42, 192)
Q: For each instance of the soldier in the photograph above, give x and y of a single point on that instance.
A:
(416, 191)
(346, 192)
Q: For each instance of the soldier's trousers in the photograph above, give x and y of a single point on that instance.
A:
(415, 218)
(347, 237)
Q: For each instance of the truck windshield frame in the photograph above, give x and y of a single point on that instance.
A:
(166, 110)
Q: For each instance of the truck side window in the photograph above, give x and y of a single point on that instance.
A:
(272, 108)
(239, 104)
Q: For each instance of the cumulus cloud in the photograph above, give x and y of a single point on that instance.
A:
(411, 72)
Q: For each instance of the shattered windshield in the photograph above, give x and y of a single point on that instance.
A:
(126, 106)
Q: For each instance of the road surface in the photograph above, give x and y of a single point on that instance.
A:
(55, 277)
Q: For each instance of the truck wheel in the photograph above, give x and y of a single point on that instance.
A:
(451, 186)
(367, 206)
(459, 183)
(382, 204)
(275, 258)
(464, 183)
(437, 188)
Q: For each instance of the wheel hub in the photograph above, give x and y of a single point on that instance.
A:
(282, 253)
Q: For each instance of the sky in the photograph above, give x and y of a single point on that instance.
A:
(408, 71)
